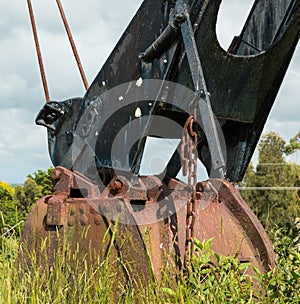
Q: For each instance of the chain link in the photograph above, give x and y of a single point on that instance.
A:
(189, 168)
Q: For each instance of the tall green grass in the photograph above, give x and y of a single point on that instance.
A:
(213, 279)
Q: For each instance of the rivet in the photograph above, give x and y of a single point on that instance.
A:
(141, 56)
(180, 17)
(69, 137)
(84, 220)
(97, 220)
(200, 187)
(202, 93)
(92, 211)
(119, 207)
(71, 221)
(105, 207)
(56, 174)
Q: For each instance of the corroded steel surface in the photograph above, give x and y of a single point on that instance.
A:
(221, 214)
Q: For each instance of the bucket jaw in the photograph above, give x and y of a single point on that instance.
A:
(143, 221)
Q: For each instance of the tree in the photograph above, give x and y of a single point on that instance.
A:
(271, 149)
(15, 203)
(26, 195)
(294, 144)
(44, 181)
(7, 206)
(273, 193)
(37, 185)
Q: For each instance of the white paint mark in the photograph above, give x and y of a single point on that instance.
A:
(121, 98)
(139, 82)
(138, 112)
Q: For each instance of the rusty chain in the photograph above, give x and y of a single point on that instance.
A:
(189, 168)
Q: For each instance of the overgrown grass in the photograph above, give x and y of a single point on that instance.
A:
(71, 280)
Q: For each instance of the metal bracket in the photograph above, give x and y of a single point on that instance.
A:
(201, 92)
(51, 116)
(180, 22)
(56, 213)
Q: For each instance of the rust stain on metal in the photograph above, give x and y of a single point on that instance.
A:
(226, 218)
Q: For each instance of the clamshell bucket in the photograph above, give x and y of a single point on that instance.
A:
(167, 78)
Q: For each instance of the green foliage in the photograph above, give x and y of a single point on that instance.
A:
(7, 206)
(217, 278)
(270, 148)
(43, 181)
(26, 195)
(15, 203)
(214, 278)
(282, 284)
(294, 145)
(272, 188)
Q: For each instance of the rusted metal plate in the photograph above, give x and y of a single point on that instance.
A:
(234, 228)
(150, 216)
(61, 223)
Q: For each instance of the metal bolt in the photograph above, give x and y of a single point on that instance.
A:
(84, 220)
(92, 211)
(141, 56)
(56, 174)
(180, 17)
(81, 210)
(201, 93)
(105, 207)
(200, 187)
(71, 221)
(117, 185)
(97, 219)
(119, 207)
(69, 137)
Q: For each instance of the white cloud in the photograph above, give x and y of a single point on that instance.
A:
(287, 105)
(20, 142)
(286, 129)
(231, 19)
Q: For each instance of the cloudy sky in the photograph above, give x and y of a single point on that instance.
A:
(96, 26)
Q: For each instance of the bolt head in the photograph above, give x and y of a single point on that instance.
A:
(119, 207)
(141, 56)
(202, 93)
(71, 221)
(56, 174)
(97, 219)
(200, 187)
(180, 17)
(84, 221)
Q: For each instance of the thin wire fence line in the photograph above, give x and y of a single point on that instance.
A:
(275, 164)
(268, 188)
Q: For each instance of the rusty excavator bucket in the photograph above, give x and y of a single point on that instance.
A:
(168, 93)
